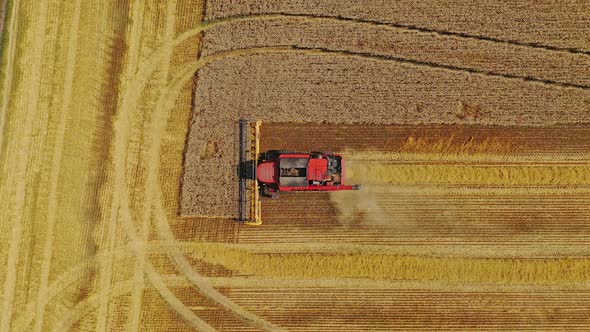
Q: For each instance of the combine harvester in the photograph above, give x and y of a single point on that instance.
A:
(267, 174)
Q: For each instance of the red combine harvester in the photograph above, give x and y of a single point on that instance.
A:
(296, 171)
(270, 173)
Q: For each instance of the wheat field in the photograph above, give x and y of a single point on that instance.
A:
(467, 122)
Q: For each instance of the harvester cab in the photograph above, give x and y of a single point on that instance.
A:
(276, 171)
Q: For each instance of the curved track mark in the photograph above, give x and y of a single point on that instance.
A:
(147, 67)
(138, 286)
(164, 104)
(125, 287)
(447, 33)
(134, 39)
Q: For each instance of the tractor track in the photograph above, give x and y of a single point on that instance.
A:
(139, 283)
(476, 55)
(132, 54)
(120, 206)
(56, 163)
(8, 76)
(20, 171)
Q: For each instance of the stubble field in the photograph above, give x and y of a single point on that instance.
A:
(467, 123)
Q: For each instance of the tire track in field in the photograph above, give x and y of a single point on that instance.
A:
(148, 66)
(164, 105)
(125, 287)
(153, 58)
(446, 33)
(139, 283)
(9, 68)
(374, 38)
(56, 164)
(120, 205)
(21, 167)
(122, 252)
(453, 68)
(134, 40)
(76, 272)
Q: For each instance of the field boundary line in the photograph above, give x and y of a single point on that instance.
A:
(139, 282)
(56, 164)
(9, 69)
(22, 160)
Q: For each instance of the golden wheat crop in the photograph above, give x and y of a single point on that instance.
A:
(116, 117)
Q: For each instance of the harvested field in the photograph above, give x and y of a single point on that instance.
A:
(467, 122)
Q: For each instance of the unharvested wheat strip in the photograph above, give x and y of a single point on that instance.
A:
(257, 283)
(360, 35)
(56, 162)
(477, 191)
(134, 37)
(137, 293)
(451, 156)
(496, 175)
(394, 267)
(551, 26)
(531, 251)
(19, 169)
